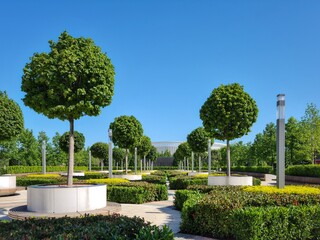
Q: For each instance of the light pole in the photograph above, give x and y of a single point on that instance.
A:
(89, 160)
(280, 141)
(44, 164)
(192, 161)
(209, 156)
(135, 161)
(110, 152)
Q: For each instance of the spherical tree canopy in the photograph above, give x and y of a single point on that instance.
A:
(100, 150)
(229, 112)
(152, 154)
(144, 146)
(198, 140)
(74, 79)
(118, 154)
(79, 141)
(11, 118)
(126, 131)
(183, 150)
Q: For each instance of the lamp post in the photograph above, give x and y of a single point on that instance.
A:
(110, 152)
(89, 160)
(280, 141)
(209, 156)
(192, 161)
(44, 164)
(135, 161)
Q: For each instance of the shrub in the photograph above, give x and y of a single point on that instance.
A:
(38, 169)
(311, 170)
(108, 181)
(257, 169)
(285, 190)
(43, 175)
(137, 192)
(183, 182)
(93, 175)
(301, 222)
(158, 179)
(88, 227)
(256, 181)
(28, 181)
(181, 196)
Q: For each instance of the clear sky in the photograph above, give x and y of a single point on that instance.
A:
(170, 54)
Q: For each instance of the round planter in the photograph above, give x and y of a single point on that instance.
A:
(229, 181)
(129, 177)
(75, 174)
(7, 181)
(63, 199)
(196, 173)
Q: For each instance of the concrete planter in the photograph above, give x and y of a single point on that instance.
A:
(75, 174)
(129, 177)
(7, 185)
(229, 181)
(196, 173)
(63, 199)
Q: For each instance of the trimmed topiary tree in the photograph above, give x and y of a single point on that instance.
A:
(182, 151)
(143, 148)
(79, 141)
(11, 118)
(74, 79)
(198, 142)
(100, 150)
(152, 155)
(126, 133)
(228, 113)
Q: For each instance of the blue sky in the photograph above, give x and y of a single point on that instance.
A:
(170, 54)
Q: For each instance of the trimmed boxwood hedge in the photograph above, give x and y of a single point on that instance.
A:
(183, 182)
(311, 170)
(38, 169)
(26, 181)
(88, 227)
(137, 192)
(154, 179)
(213, 214)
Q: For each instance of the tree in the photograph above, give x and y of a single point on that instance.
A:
(118, 155)
(293, 142)
(74, 79)
(28, 151)
(152, 154)
(198, 141)
(182, 151)
(100, 150)
(126, 133)
(79, 141)
(11, 118)
(228, 113)
(240, 153)
(59, 156)
(42, 136)
(144, 147)
(310, 123)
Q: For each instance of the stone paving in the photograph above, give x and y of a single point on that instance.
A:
(159, 213)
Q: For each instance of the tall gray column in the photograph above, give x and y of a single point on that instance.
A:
(44, 163)
(135, 161)
(280, 141)
(90, 160)
(110, 153)
(209, 156)
(192, 161)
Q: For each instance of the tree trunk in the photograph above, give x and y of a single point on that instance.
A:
(126, 161)
(71, 154)
(228, 159)
(144, 162)
(199, 163)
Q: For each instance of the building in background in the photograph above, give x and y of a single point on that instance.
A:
(173, 146)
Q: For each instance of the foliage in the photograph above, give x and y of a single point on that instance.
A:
(87, 227)
(108, 181)
(47, 175)
(285, 190)
(198, 140)
(137, 192)
(293, 142)
(229, 112)
(184, 182)
(144, 146)
(152, 154)
(28, 181)
(74, 79)
(11, 118)
(154, 179)
(182, 151)
(118, 155)
(181, 196)
(276, 223)
(257, 169)
(304, 170)
(79, 141)
(93, 175)
(35, 169)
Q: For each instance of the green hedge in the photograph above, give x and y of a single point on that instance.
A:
(183, 182)
(136, 192)
(38, 169)
(181, 196)
(93, 175)
(304, 170)
(154, 179)
(88, 227)
(302, 222)
(25, 181)
(212, 215)
(257, 169)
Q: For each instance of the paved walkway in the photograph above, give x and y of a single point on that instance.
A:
(159, 213)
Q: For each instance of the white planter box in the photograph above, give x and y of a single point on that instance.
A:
(75, 174)
(129, 177)
(229, 181)
(7, 181)
(63, 199)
